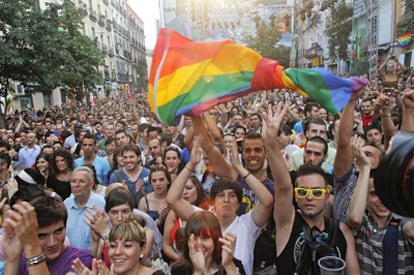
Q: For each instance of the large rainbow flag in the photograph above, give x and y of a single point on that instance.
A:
(189, 77)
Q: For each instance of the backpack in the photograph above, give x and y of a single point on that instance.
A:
(316, 245)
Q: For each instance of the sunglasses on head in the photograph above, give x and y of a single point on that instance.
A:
(317, 193)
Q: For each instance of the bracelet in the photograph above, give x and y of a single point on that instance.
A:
(188, 169)
(36, 260)
(386, 115)
(248, 174)
(105, 236)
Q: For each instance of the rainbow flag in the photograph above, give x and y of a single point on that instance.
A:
(189, 77)
(404, 40)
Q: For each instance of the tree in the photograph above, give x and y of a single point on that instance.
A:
(45, 47)
(265, 42)
(340, 30)
(142, 71)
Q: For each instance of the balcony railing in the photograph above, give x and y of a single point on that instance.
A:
(101, 21)
(92, 15)
(123, 77)
(108, 25)
(106, 74)
(104, 49)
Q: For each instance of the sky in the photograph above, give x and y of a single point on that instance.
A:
(148, 11)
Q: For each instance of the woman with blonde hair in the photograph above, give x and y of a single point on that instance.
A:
(127, 243)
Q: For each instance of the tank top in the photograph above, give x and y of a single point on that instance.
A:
(286, 262)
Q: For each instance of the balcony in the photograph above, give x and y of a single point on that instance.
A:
(108, 25)
(113, 76)
(127, 55)
(110, 52)
(101, 21)
(104, 49)
(106, 75)
(123, 77)
(84, 9)
(92, 15)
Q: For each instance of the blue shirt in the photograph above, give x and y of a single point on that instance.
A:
(28, 155)
(119, 175)
(77, 231)
(101, 165)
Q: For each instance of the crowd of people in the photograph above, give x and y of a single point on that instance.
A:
(248, 187)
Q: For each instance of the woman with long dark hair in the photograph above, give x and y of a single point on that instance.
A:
(61, 167)
(155, 203)
(172, 242)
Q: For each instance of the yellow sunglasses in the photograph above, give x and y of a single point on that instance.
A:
(317, 193)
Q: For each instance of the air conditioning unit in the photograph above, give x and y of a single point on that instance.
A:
(19, 89)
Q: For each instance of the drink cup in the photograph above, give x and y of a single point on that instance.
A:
(331, 265)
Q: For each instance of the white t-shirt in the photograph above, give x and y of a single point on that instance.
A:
(247, 233)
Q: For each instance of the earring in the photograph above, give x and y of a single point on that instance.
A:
(141, 256)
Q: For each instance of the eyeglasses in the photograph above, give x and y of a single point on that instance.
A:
(317, 193)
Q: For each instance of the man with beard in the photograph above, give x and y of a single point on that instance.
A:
(133, 173)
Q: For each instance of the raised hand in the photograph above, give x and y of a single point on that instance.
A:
(97, 221)
(138, 185)
(408, 99)
(196, 151)
(98, 268)
(229, 245)
(272, 120)
(234, 154)
(357, 144)
(196, 253)
(163, 210)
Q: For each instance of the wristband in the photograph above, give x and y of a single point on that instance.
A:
(245, 177)
(188, 169)
(35, 260)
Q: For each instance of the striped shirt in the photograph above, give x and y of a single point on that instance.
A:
(369, 247)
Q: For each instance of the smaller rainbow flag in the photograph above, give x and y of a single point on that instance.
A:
(306, 22)
(404, 40)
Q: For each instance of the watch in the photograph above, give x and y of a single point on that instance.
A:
(105, 236)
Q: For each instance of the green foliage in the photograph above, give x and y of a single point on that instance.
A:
(265, 42)
(406, 23)
(340, 30)
(45, 47)
(142, 71)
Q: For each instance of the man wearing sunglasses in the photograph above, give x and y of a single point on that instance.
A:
(311, 195)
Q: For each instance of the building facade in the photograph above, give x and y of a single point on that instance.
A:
(119, 35)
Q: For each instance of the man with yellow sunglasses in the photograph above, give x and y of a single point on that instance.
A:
(316, 193)
(311, 194)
